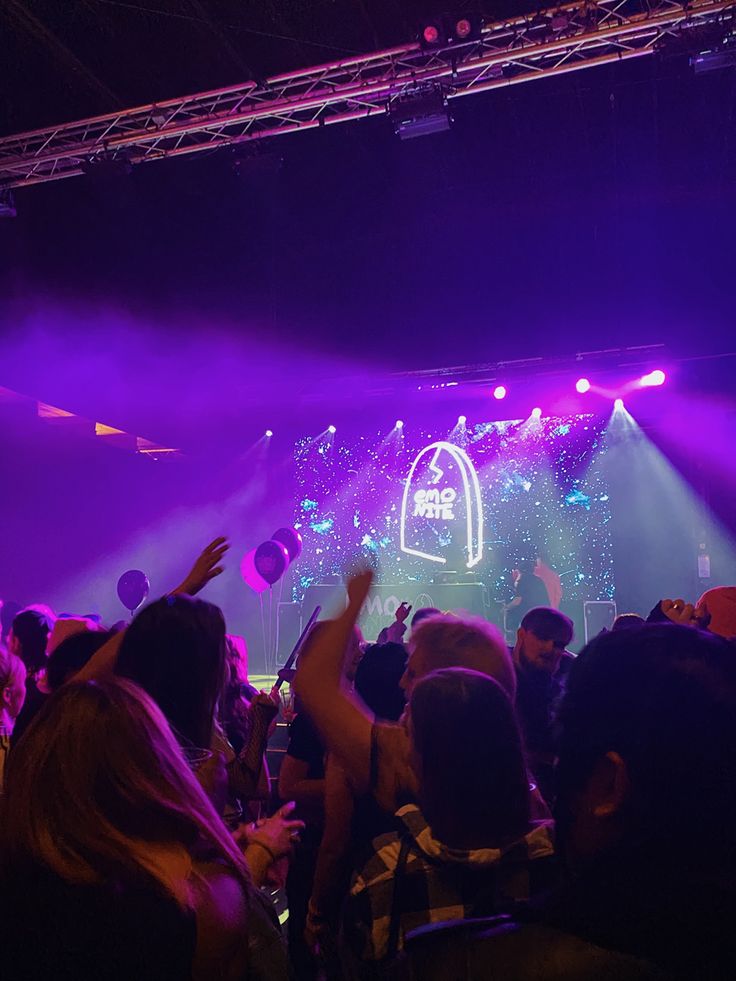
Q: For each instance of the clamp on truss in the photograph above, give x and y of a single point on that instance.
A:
(572, 37)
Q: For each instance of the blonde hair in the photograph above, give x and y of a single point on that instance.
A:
(447, 640)
(98, 790)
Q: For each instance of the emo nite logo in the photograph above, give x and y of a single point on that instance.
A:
(441, 511)
(435, 504)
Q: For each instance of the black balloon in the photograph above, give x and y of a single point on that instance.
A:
(271, 561)
(133, 587)
(291, 539)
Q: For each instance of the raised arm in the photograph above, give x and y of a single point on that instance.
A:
(342, 721)
(206, 567)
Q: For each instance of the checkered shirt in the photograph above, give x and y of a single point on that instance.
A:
(437, 883)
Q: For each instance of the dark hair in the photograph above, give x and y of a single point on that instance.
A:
(72, 654)
(548, 623)
(32, 629)
(526, 566)
(377, 680)
(472, 761)
(175, 650)
(423, 612)
(664, 698)
(627, 621)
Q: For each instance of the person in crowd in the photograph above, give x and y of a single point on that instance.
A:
(627, 621)
(551, 580)
(27, 639)
(126, 870)
(12, 696)
(469, 846)
(718, 607)
(646, 797)
(69, 656)
(349, 823)
(529, 592)
(542, 664)
(396, 632)
(376, 754)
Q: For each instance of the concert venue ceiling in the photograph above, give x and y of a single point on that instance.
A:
(195, 300)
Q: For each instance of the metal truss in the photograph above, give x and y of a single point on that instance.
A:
(571, 37)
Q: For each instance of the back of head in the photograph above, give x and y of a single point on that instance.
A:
(71, 655)
(465, 734)
(719, 604)
(377, 680)
(101, 775)
(423, 613)
(663, 697)
(449, 641)
(628, 621)
(175, 650)
(31, 629)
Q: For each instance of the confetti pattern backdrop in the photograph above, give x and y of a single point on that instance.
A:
(542, 487)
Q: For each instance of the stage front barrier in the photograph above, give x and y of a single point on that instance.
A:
(383, 601)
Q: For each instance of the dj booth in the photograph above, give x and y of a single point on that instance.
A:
(384, 599)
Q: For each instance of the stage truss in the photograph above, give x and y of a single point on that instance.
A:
(569, 38)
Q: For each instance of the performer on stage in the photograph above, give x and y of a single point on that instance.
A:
(529, 592)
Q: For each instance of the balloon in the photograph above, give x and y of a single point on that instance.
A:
(271, 561)
(250, 574)
(291, 539)
(133, 587)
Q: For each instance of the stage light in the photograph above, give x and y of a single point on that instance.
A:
(618, 405)
(499, 392)
(582, 385)
(431, 34)
(536, 413)
(269, 432)
(461, 420)
(399, 424)
(331, 429)
(420, 111)
(463, 28)
(654, 378)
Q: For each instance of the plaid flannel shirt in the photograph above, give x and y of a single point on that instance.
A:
(437, 883)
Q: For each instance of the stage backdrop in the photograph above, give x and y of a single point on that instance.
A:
(426, 506)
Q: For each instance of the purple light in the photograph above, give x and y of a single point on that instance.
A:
(619, 405)
(399, 424)
(331, 429)
(461, 420)
(536, 413)
(582, 385)
(499, 392)
(269, 432)
(654, 378)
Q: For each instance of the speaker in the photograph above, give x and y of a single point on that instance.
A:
(598, 615)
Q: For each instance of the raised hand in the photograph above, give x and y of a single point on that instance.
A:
(205, 568)
(678, 611)
(275, 834)
(403, 611)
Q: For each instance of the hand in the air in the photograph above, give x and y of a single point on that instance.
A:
(277, 833)
(678, 611)
(402, 612)
(205, 568)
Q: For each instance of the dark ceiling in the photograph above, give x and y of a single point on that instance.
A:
(589, 211)
(64, 59)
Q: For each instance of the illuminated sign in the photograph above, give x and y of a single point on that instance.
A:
(442, 506)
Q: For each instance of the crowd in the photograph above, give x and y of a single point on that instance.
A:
(448, 806)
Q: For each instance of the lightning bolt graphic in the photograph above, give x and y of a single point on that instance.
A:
(437, 471)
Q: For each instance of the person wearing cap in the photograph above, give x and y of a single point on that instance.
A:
(541, 662)
(718, 607)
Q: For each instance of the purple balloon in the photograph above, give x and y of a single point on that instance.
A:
(250, 574)
(271, 561)
(291, 539)
(133, 587)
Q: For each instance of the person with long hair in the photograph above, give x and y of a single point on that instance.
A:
(469, 847)
(113, 860)
(12, 697)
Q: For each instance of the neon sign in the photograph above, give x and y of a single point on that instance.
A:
(442, 492)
